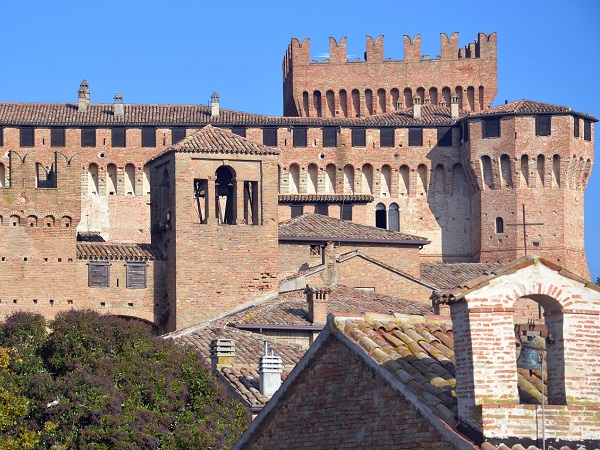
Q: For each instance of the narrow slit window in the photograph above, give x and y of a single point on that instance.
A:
(201, 199)
(499, 225)
(576, 122)
(251, 202)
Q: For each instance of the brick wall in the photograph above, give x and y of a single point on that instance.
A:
(340, 402)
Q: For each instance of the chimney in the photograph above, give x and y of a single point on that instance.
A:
(83, 96)
(214, 103)
(222, 353)
(119, 110)
(454, 106)
(398, 105)
(417, 106)
(330, 275)
(443, 102)
(317, 299)
(269, 372)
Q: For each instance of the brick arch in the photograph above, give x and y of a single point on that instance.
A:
(133, 313)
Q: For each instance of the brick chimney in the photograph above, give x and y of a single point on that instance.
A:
(222, 353)
(119, 107)
(317, 299)
(214, 103)
(83, 96)
(269, 372)
(454, 106)
(417, 106)
(330, 275)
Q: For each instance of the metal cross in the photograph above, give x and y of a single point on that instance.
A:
(524, 224)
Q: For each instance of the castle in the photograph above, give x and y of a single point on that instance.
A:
(169, 213)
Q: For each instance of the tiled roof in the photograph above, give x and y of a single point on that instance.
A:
(215, 140)
(89, 237)
(317, 226)
(291, 308)
(419, 351)
(461, 289)
(451, 275)
(249, 347)
(325, 198)
(97, 250)
(430, 115)
(527, 107)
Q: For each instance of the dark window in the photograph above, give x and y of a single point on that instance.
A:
(299, 137)
(251, 202)
(329, 136)
(88, 137)
(322, 208)
(98, 274)
(57, 137)
(240, 131)
(1, 136)
(490, 128)
(380, 216)
(464, 132)
(136, 275)
(201, 196)
(27, 136)
(444, 135)
(148, 137)
(543, 125)
(118, 137)
(587, 130)
(576, 127)
(345, 211)
(386, 137)
(359, 137)
(415, 137)
(177, 134)
(270, 137)
(499, 225)
(45, 177)
(297, 210)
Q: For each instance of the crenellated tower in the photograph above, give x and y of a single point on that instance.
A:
(534, 157)
(340, 87)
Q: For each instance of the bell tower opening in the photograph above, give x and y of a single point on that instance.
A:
(225, 189)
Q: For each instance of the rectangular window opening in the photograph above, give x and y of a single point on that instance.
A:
(543, 125)
(88, 137)
(386, 137)
(587, 130)
(240, 131)
(329, 136)
(415, 137)
(148, 136)
(136, 275)
(270, 136)
(297, 210)
(99, 274)
(251, 202)
(201, 198)
(359, 137)
(346, 212)
(57, 137)
(322, 208)
(576, 127)
(490, 128)
(177, 134)
(27, 135)
(444, 136)
(119, 137)
(299, 136)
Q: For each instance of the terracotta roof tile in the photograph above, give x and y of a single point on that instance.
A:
(527, 107)
(452, 275)
(317, 226)
(328, 198)
(98, 250)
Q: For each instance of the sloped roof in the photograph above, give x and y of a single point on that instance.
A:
(527, 107)
(323, 228)
(291, 308)
(98, 250)
(451, 275)
(325, 198)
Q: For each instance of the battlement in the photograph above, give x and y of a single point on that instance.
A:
(454, 69)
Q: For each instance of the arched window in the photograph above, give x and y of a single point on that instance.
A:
(225, 189)
(499, 225)
(541, 169)
(408, 102)
(111, 179)
(329, 96)
(481, 97)
(381, 100)
(446, 94)
(433, 96)
(486, 172)
(2, 176)
(556, 171)
(505, 171)
(146, 180)
(439, 180)
(459, 93)
(129, 179)
(65, 222)
(386, 181)
(524, 171)
(14, 220)
(459, 184)
(317, 103)
(422, 185)
(330, 179)
(380, 216)
(344, 102)
(304, 104)
(421, 93)
(369, 101)
(32, 221)
(311, 182)
(356, 102)
(93, 179)
(404, 180)
(394, 217)
(395, 95)
(367, 179)
(471, 98)
(294, 173)
(49, 221)
(348, 179)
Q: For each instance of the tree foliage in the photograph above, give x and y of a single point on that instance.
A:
(88, 381)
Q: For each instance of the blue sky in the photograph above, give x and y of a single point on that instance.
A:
(180, 51)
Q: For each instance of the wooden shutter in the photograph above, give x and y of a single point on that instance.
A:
(297, 210)
(346, 212)
(177, 134)
(587, 130)
(57, 137)
(491, 128)
(576, 127)
(27, 137)
(88, 137)
(299, 137)
(386, 137)
(240, 131)
(136, 275)
(359, 137)
(149, 137)
(415, 137)
(98, 274)
(118, 137)
(543, 125)
(329, 136)
(270, 136)
(1, 136)
(444, 135)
